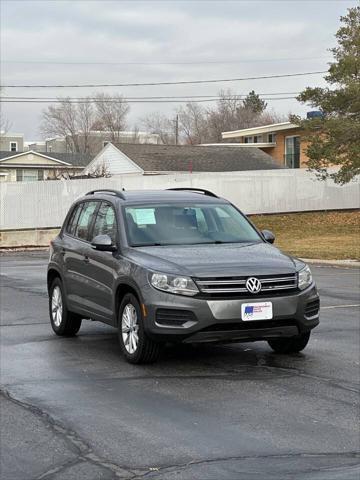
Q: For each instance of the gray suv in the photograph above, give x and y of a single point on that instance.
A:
(180, 265)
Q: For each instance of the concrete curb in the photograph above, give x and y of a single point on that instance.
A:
(332, 263)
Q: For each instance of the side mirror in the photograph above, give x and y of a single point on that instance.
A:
(103, 243)
(268, 236)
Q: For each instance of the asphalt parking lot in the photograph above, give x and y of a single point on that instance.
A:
(74, 409)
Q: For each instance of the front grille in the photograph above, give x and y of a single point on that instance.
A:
(174, 318)
(254, 325)
(235, 286)
(312, 308)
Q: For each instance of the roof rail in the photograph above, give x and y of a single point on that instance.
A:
(116, 193)
(195, 190)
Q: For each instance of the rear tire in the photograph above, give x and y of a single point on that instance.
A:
(136, 346)
(290, 345)
(63, 322)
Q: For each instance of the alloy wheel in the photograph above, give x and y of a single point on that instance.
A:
(56, 306)
(130, 328)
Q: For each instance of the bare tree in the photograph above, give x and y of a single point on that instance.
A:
(111, 113)
(67, 120)
(85, 123)
(135, 137)
(193, 123)
(5, 124)
(198, 124)
(231, 113)
(74, 121)
(102, 170)
(61, 174)
(161, 125)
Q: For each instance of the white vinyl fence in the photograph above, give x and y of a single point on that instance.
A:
(45, 204)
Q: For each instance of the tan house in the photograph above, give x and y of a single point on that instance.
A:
(284, 142)
(32, 166)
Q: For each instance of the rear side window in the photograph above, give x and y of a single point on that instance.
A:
(70, 228)
(105, 223)
(85, 219)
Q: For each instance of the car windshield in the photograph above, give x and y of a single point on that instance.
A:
(192, 224)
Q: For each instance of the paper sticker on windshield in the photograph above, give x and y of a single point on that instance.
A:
(145, 216)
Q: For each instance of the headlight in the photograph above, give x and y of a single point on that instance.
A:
(173, 284)
(305, 278)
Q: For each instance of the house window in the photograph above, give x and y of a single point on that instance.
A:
(13, 146)
(292, 151)
(105, 143)
(29, 175)
(271, 137)
(253, 139)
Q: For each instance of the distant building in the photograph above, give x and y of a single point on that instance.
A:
(57, 145)
(164, 159)
(97, 140)
(11, 142)
(35, 146)
(284, 142)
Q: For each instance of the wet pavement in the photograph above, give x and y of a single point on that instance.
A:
(72, 408)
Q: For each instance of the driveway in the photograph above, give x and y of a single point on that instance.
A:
(74, 409)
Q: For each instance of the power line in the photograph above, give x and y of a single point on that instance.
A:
(171, 97)
(182, 82)
(132, 101)
(196, 62)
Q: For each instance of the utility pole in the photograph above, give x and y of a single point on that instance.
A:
(177, 130)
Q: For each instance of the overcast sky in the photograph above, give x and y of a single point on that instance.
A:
(49, 42)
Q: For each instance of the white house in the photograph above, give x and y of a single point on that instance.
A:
(112, 162)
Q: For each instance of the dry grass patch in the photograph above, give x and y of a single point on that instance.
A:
(323, 235)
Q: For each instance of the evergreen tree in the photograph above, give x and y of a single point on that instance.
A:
(254, 103)
(334, 138)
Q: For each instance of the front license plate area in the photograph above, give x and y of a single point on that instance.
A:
(256, 311)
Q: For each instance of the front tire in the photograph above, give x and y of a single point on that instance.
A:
(136, 346)
(63, 322)
(290, 345)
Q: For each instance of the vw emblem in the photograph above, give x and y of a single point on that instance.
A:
(253, 285)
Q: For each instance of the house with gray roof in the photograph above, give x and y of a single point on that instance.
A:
(162, 159)
(127, 159)
(32, 166)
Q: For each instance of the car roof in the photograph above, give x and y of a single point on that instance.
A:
(153, 196)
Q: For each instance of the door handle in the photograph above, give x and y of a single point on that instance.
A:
(86, 259)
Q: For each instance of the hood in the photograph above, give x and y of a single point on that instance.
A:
(215, 260)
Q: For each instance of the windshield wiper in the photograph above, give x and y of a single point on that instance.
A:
(149, 244)
(158, 244)
(212, 242)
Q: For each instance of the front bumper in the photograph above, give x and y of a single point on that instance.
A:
(220, 320)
